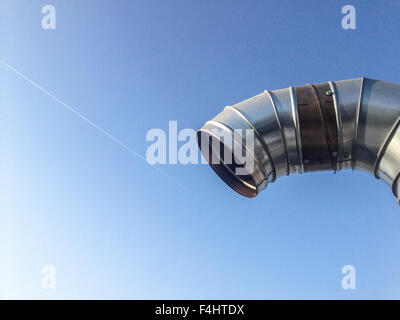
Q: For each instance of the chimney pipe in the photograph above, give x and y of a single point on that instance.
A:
(348, 124)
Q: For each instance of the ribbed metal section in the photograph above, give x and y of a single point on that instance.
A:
(327, 126)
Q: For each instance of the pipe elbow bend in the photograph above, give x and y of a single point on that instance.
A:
(348, 124)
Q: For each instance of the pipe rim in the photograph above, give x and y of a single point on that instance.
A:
(244, 185)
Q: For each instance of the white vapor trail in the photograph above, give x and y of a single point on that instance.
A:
(74, 111)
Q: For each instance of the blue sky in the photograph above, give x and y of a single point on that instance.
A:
(113, 226)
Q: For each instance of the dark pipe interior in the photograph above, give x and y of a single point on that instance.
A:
(243, 184)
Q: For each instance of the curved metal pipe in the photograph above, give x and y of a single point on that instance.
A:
(327, 126)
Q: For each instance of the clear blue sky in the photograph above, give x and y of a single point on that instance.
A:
(116, 228)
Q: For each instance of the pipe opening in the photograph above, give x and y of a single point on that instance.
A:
(225, 164)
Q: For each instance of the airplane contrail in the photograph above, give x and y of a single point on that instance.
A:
(74, 111)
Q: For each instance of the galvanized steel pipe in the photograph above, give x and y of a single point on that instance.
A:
(326, 126)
